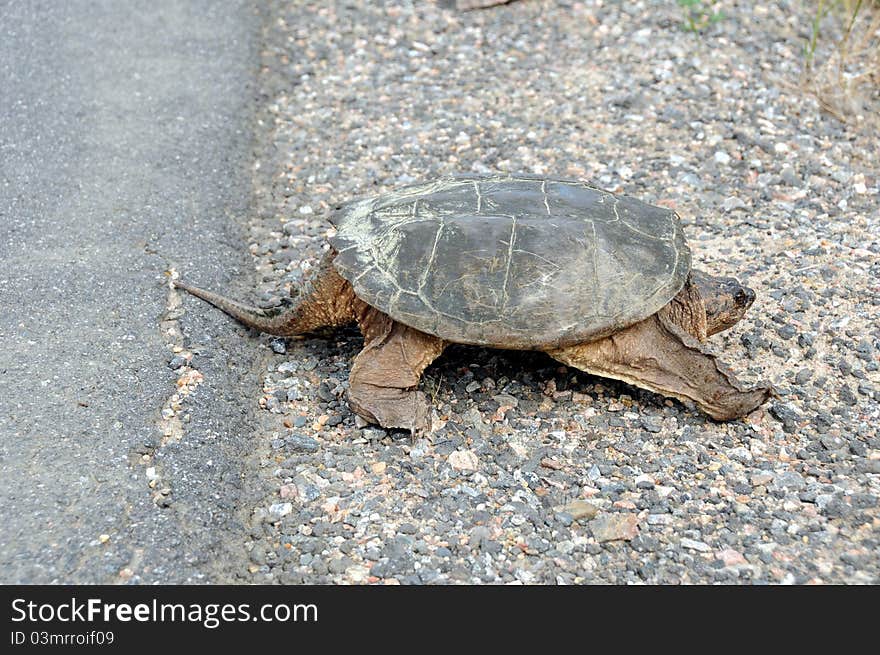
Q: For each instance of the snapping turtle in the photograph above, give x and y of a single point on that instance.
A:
(598, 281)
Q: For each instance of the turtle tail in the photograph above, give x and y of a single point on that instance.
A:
(325, 300)
(277, 323)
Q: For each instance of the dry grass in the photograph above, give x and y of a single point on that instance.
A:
(842, 59)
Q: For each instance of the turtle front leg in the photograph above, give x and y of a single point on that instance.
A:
(384, 380)
(658, 355)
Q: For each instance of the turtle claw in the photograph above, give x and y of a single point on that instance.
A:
(390, 407)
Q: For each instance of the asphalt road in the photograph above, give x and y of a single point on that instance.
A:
(125, 149)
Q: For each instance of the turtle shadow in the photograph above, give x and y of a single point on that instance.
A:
(527, 375)
(478, 374)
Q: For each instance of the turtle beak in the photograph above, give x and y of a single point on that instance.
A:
(744, 297)
(726, 300)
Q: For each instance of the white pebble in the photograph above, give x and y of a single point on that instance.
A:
(464, 460)
(696, 545)
(281, 509)
(732, 203)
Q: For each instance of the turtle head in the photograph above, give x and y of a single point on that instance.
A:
(725, 299)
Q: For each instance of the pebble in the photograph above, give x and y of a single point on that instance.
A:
(789, 176)
(761, 479)
(338, 565)
(373, 433)
(288, 491)
(177, 361)
(615, 527)
(505, 400)
(788, 480)
(645, 482)
(789, 416)
(693, 544)
(740, 454)
(581, 509)
(301, 443)
(731, 557)
(464, 460)
(280, 510)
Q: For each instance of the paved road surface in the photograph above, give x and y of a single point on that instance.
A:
(124, 149)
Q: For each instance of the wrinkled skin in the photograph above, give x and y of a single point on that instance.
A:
(728, 300)
(664, 353)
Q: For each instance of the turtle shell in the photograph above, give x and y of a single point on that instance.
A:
(511, 261)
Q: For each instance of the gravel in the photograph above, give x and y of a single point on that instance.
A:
(535, 473)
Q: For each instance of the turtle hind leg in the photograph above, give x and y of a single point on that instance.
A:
(658, 355)
(325, 300)
(383, 385)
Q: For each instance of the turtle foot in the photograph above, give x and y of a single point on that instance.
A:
(391, 407)
(383, 386)
(659, 356)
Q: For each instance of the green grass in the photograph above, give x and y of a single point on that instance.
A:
(698, 14)
(842, 53)
(848, 10)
